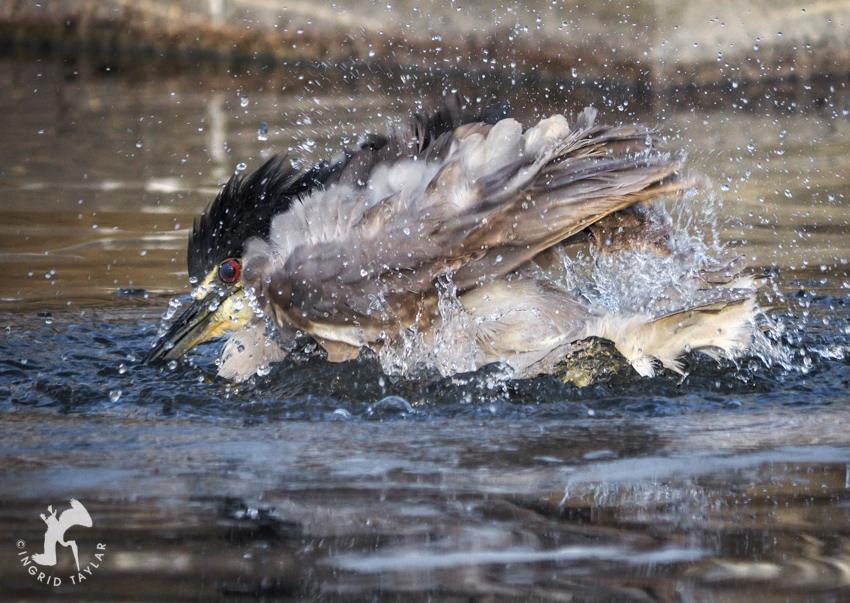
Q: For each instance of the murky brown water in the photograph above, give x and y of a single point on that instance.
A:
(733, 486)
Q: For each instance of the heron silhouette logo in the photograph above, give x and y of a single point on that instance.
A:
(77, 515)
(57, 526)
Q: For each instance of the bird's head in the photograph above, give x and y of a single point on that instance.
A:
(218, 307)
(242, 210)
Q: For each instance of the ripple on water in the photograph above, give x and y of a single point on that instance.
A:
(77, 363)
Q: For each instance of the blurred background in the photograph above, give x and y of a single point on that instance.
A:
(662, 43)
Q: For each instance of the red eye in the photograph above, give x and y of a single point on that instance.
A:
(229, 271)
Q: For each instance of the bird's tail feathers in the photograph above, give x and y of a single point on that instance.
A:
(723, 328)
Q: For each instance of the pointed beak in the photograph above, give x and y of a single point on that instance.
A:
(207, 317)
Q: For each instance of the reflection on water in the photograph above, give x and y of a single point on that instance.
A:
(335, 482)
(608, 510)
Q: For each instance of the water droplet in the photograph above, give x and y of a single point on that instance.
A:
(241, 167)
(263, 132)
(172, 309)
(172, 366)
(200, 292)
(115, 395)
(393, 404)
(243, 100)
(122, 368)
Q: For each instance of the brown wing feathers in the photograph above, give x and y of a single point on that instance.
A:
(476, 229)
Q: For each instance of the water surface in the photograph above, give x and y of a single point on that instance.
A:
(336, 482)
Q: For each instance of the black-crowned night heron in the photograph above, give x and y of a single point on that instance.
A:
(461, 214)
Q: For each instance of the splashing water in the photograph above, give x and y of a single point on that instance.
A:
(451, 349)
(455, 344)
(627, 282)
